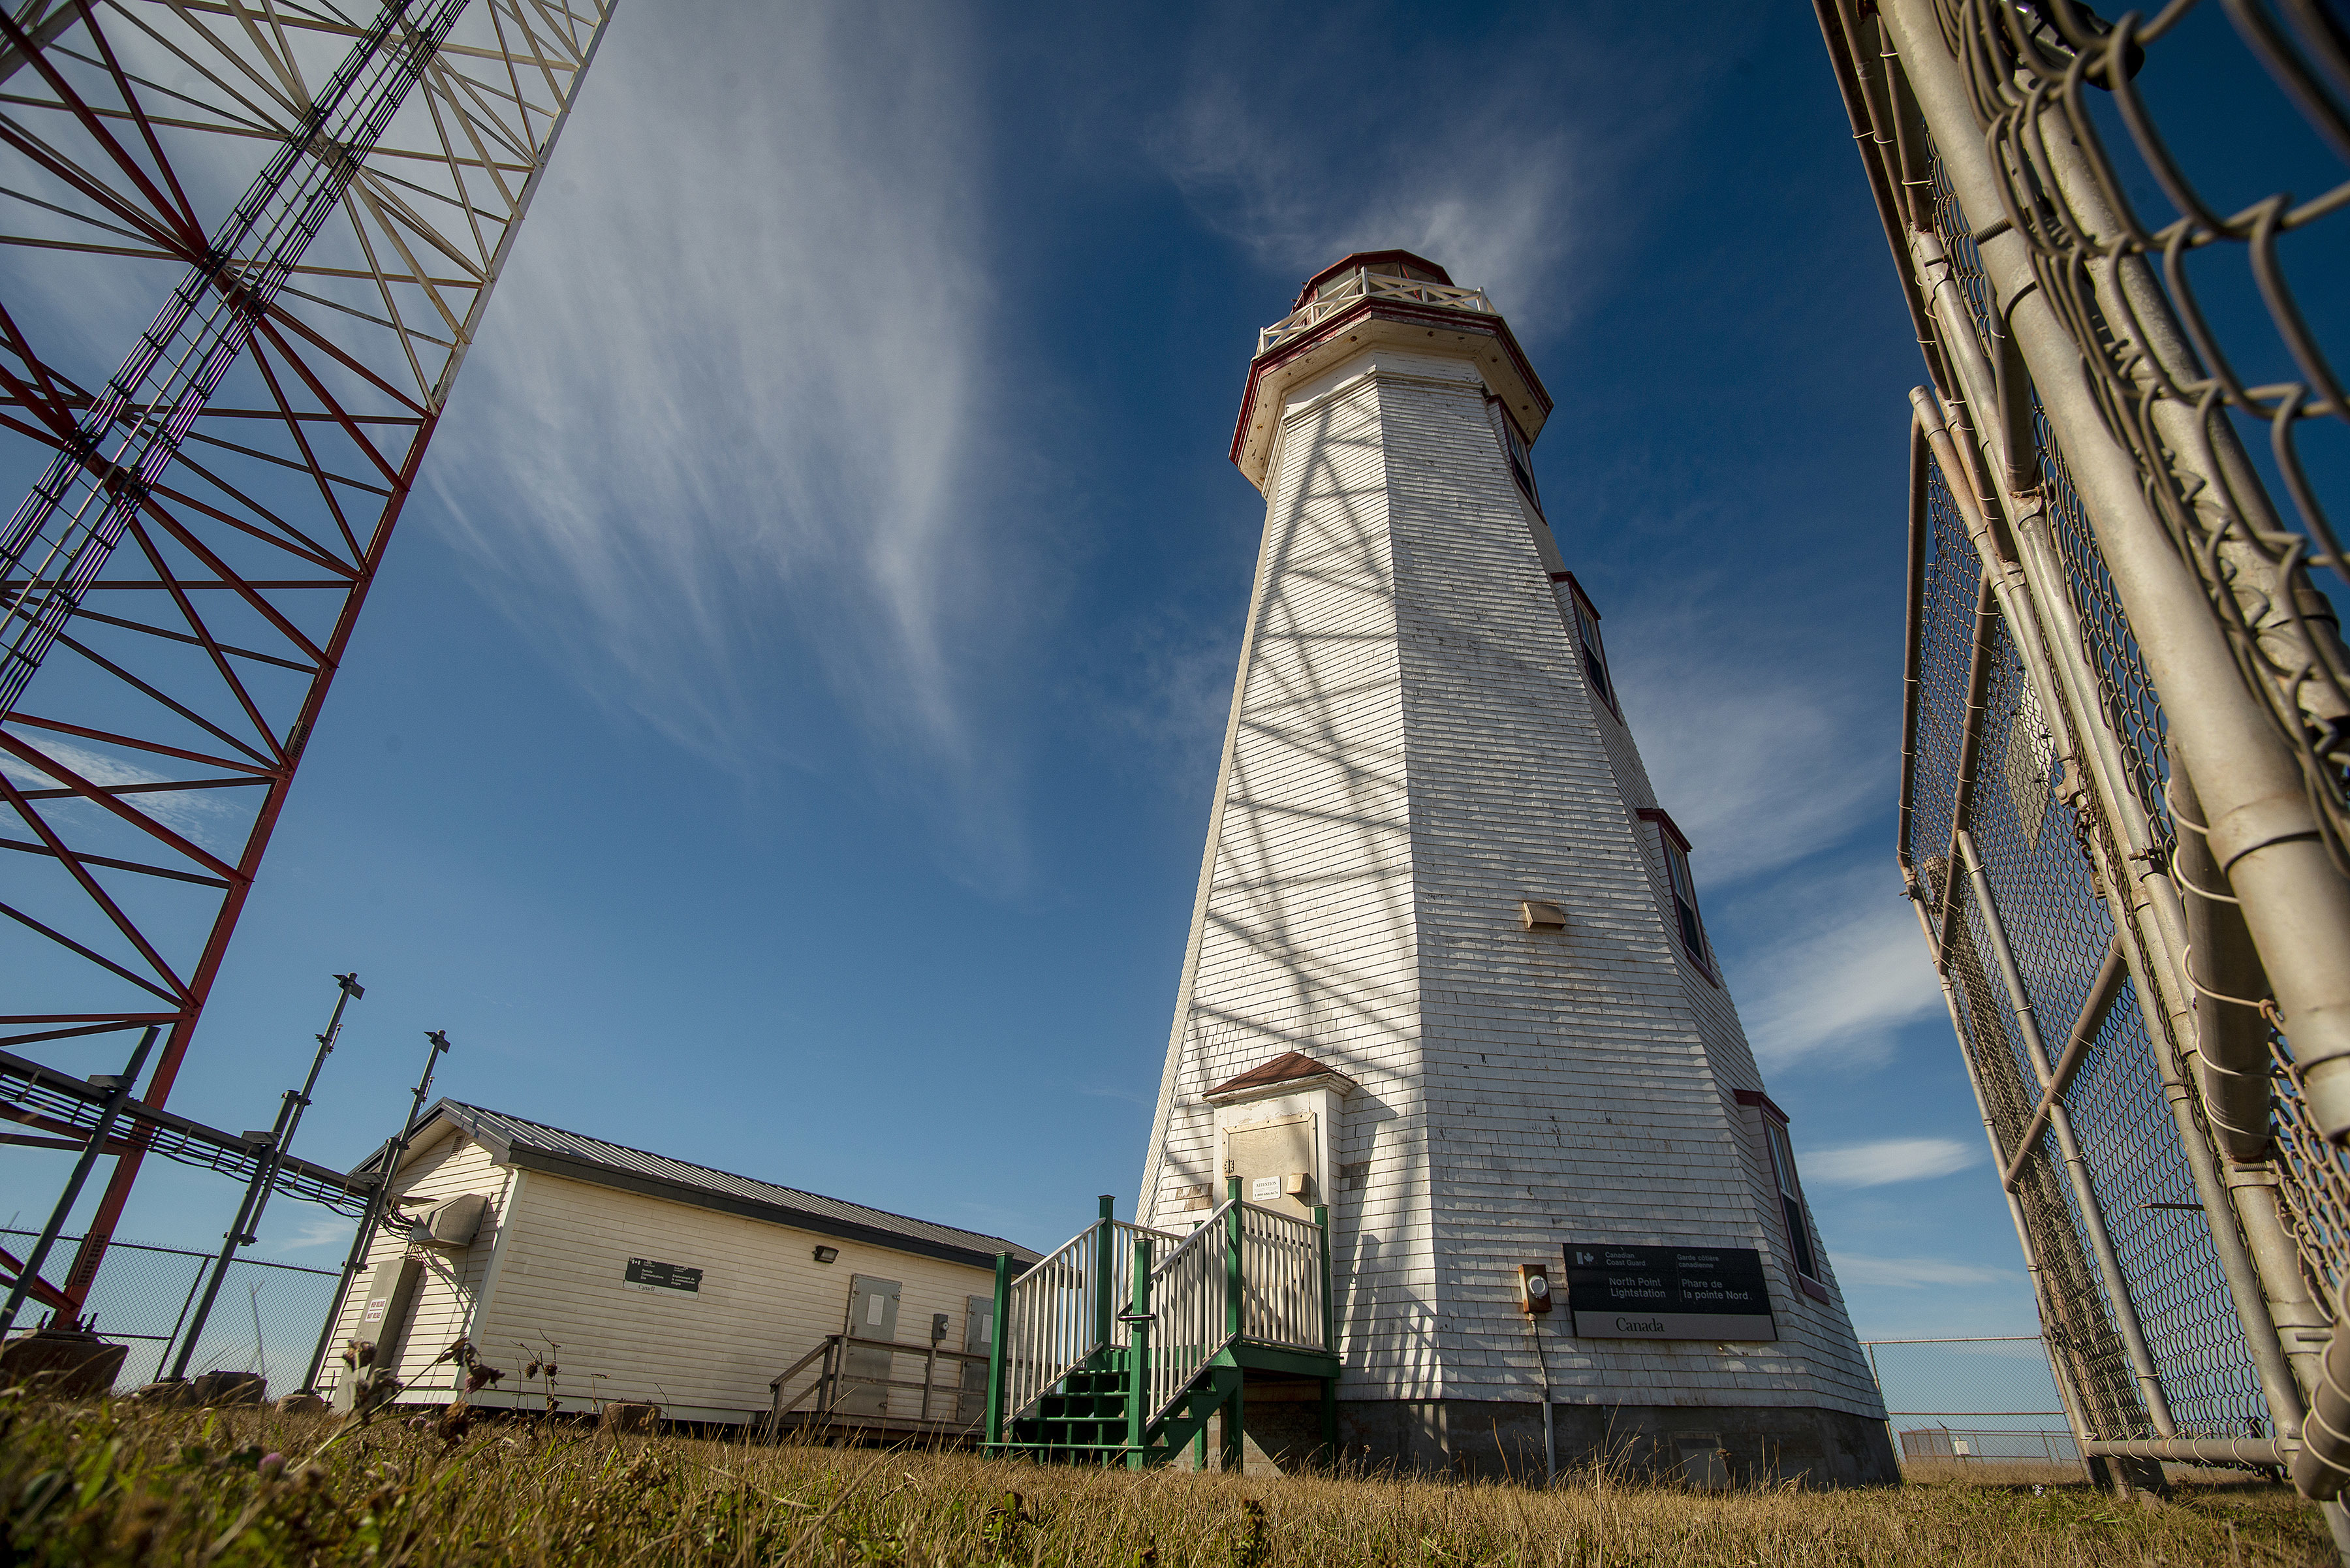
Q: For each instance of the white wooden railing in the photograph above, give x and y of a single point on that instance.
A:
(1192, 1313)
(1189, 1320)
(1057, 1311)
(1280, 1279)
(1364, 283)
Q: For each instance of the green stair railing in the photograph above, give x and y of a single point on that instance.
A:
(1125, 1340)
(1059, 1316)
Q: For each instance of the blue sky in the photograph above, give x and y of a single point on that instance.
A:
(783, 733)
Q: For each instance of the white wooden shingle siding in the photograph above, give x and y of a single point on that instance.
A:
(1414, 748)
(544, 1280)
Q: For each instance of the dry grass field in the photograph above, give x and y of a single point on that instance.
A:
(103, 1484)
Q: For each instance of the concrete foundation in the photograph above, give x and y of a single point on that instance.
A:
(1704, 1445)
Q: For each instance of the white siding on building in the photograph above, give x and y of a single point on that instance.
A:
(450, 1166)
(764, 1302)
(543, 1280)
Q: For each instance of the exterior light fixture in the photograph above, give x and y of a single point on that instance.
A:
(827, 1254)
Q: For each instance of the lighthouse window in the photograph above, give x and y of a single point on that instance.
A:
(1791, 1196)
(1515, 449)
(1686, 919)
(1595, 652)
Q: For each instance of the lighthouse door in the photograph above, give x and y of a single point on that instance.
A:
(1274, 1162)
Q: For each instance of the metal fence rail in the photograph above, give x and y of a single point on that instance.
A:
(268, 1313)
(2124, 808)
(1990, 1447)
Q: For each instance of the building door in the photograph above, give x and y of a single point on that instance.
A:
(978, 1339)
(1275, 1162)
(864, 1369)
(383, 1321)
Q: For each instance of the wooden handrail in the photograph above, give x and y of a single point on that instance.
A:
(840, 1343)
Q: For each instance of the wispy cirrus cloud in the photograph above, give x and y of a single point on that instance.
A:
(1764, 750)
(199, 815)
(314, 1233)
(1840, 984)
(1854, 1269)
(1493, 164)
(1888, 1160)
(724, 449)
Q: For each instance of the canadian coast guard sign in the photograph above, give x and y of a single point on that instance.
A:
(644, 1274)
(1668, 1292)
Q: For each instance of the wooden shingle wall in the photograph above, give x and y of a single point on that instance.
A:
(1414, 749)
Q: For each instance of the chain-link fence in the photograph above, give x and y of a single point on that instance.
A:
(266, 1318)
(2105, 1176)
(2100, 255)
(1986, 1406)
(1998, 1382)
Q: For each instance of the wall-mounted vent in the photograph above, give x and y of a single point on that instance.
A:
(451, 1223)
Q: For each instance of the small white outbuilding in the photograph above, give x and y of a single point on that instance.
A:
(639, 1278)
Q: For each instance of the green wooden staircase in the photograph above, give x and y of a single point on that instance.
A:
(1122, 1346)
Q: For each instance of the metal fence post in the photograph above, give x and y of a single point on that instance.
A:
(2265, 832)
(2075, 1407)
(2085, 1192)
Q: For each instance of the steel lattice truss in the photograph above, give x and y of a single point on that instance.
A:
(244, 247)
(2117, 655)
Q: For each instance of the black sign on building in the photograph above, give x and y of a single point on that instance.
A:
(644, 1274)
(1668, 1292)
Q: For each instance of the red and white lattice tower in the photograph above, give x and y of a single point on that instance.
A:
(247, 247)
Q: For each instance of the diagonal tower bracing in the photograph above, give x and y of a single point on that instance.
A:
(203, 514)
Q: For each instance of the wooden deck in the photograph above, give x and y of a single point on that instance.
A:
(837, 1427)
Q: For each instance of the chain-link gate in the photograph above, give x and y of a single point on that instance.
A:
(2123, 812)
(265, 1319)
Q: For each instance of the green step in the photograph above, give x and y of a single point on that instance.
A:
(1083, 1420)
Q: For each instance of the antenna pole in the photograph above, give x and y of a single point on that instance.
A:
(268, 1158)
(387, 1161)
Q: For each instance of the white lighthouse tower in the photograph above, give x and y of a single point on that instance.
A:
(1448, 972)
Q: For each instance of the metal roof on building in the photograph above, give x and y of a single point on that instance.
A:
(533, 1146)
